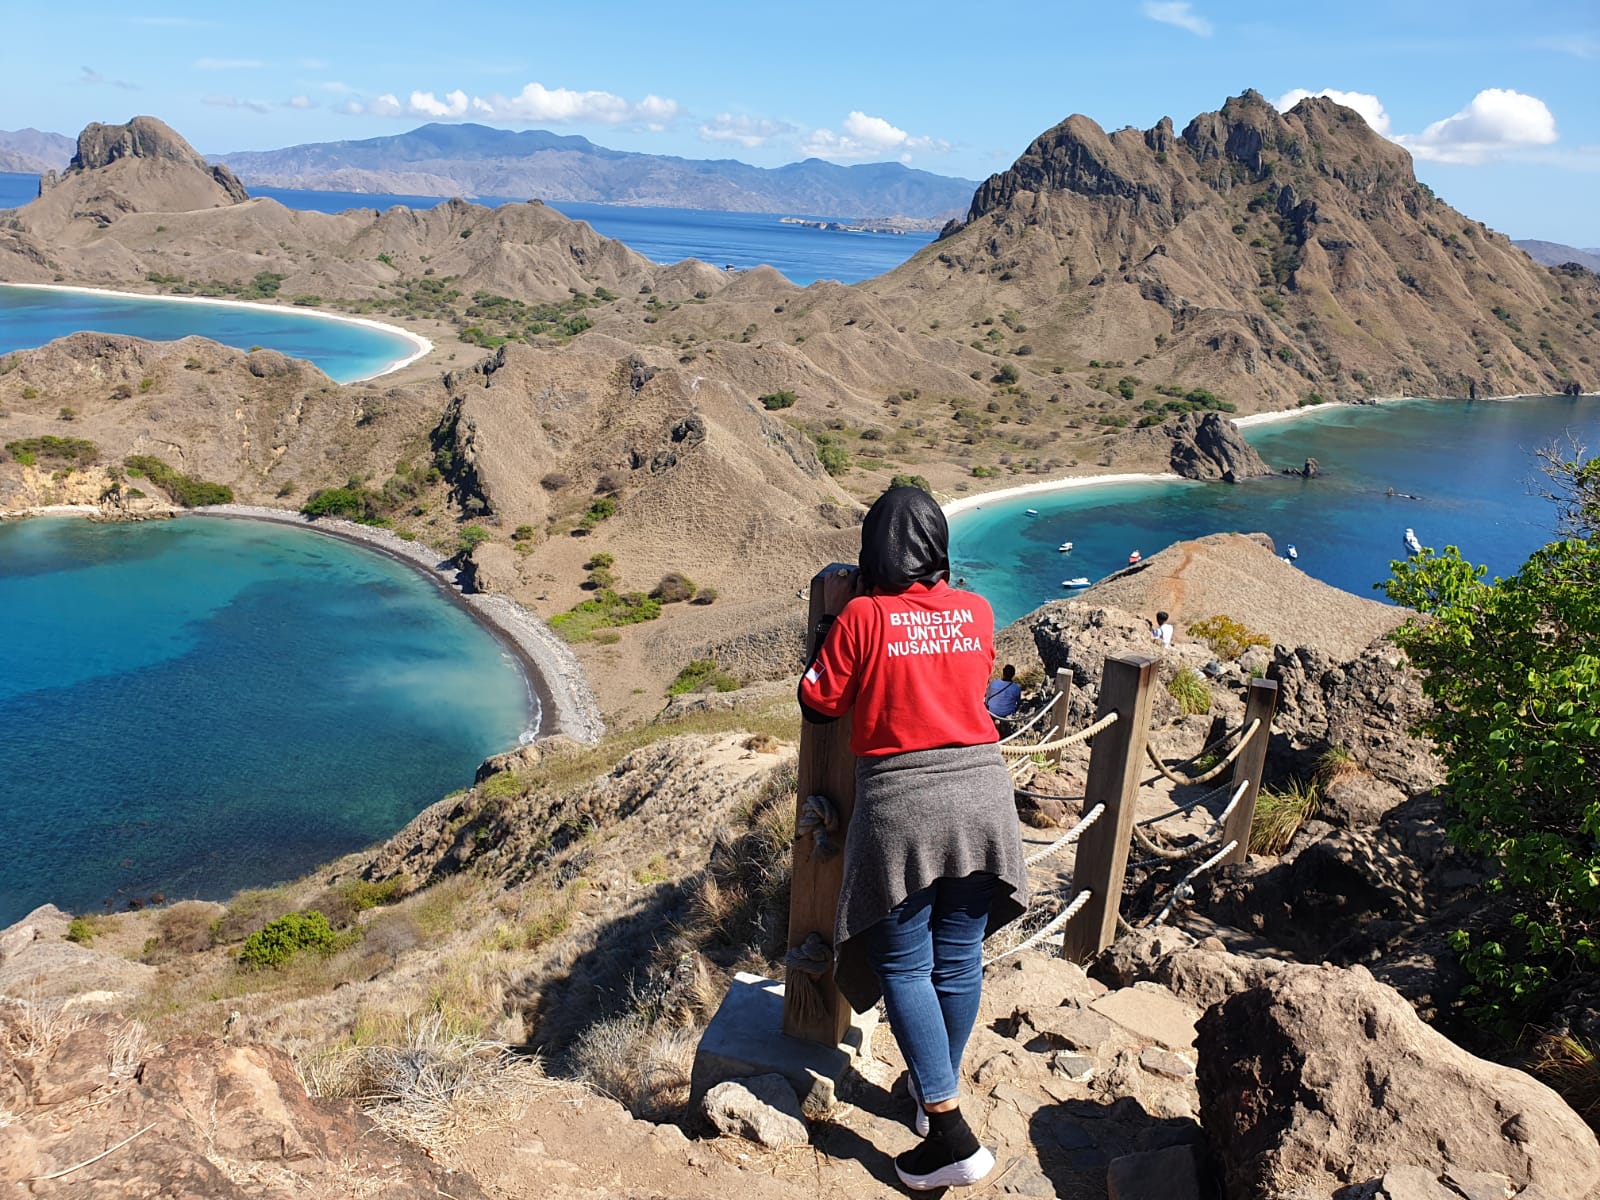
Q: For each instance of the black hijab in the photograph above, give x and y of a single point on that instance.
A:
(904, 540)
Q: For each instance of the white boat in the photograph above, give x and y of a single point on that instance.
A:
(1413, 546)
(1076, 581)
(1033, 512)
(1293, 553)
(1065, 547)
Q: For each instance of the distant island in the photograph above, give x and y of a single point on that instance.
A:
(870, 224)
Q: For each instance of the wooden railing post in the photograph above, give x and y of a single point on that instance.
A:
(812, 1006)
(1115, 758)
(1262, 703)
(1058, 722)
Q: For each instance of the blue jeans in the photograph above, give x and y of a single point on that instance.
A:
(928, 953)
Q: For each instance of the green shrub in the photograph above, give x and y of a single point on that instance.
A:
(1513, 674)
(916, 481)
(702, 675)
(603, 509)
(275, 944)
(1279, 814)
(472, 536)
(835, 458)
(605, 608)
(1188, 687)
(522, 533)
(674, 588)
(773, 401)
(81, 930)
(72, 451)
(182, 489)
(362, 894)
(1227, 638)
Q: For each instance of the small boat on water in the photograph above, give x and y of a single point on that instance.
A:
(1293, 553)
(1133, 559)
(1065, 547)
(1077, 581)
(1413, 546)
(1033, 512)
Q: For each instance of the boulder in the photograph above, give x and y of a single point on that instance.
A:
(762, 1108)
(1321, 1077)
(1200, 974)
(1358, 801)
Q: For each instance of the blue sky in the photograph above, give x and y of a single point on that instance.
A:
(1500, 103)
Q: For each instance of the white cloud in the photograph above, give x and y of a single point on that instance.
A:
(869, 137)
(299, 102)
(1497, 121)
(534, 103)
(216, 101)
(1369, 106)
(227, 64)
(748, 132)
(1180, 13)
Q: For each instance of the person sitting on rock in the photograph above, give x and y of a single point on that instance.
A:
(1003, 695)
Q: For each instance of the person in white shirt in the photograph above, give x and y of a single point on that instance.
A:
(1161, 630)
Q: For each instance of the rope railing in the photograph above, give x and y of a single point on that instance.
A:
(1186, 806)
(1167, 853)
(1083, 734)
(1056, 922)
(1032, 721)
(1181, 891)
(1168, 773)
(1068, 838)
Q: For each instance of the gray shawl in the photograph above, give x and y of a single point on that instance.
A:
(922, 816)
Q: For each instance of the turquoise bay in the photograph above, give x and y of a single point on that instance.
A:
(345, 350)
(1470, 465)
(194, 706)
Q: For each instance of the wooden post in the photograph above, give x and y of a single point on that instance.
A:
(1058, 721)
(826, 768)
(1115, 759)
(1262, 702)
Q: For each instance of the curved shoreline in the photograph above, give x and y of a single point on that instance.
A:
(566, 704)
(420, 345)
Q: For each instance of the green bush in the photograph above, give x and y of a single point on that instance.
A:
(277, 943)
(472, 536)
(72, 451)
(702, 675)
(773, 401)
(81, 930)
(183, 489)
(1514, 674)
(916, 481)
(674, 588)
(603, 509)
(605, 608)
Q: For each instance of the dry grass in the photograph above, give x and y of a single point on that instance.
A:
(435, 1085)
(36, 1027)
(1568, 1065)
(1336, 763)
(1280, 813)
(643, 1065)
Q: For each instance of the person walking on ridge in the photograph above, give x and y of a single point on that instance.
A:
(933, 857)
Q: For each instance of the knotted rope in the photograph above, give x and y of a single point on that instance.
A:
(818, 818)
(1168, 773)
(805, 965)
(1105, 722)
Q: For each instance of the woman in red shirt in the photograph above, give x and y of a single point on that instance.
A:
(933, 854)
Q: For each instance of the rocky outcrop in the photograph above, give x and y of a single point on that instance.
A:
(145, 137)
(1367, 705)
(1204, 446)
(1321, 1079)
(94, 1105)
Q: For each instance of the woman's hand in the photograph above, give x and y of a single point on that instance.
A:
(838, 587)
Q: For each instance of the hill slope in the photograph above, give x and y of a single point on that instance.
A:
(33, 151)
(475, 160)
(1554, 254)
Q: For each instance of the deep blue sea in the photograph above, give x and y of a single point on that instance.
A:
(664, 235)
(193, 706)
(31, 316)
(1469, 464)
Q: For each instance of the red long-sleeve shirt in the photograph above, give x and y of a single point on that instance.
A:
(912, 666)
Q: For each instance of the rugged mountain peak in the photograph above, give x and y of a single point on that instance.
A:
(145, 137)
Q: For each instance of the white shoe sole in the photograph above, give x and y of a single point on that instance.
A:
(968, 1171)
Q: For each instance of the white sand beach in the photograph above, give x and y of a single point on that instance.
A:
(967, 503)
(420, 345)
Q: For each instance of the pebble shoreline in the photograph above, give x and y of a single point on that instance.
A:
(566, 701)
